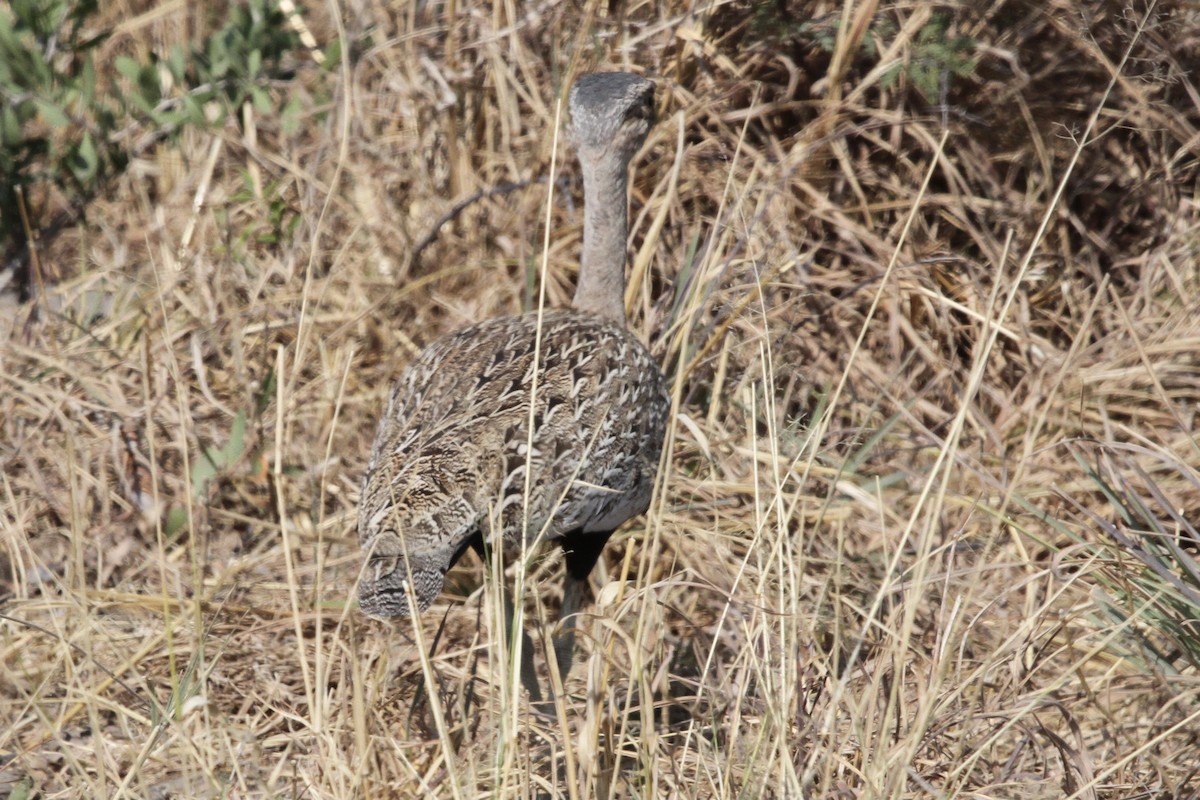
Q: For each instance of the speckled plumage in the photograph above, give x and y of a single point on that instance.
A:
(455, 463)
(451, 447)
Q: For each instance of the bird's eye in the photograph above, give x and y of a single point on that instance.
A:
(642, 110)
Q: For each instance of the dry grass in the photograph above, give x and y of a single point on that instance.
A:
(877, 566)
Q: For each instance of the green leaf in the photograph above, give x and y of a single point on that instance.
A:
(289, 121)
(237, 438)
(261, 99)
(194, 111)
(266, 394)
(23, 789)
(211, 462)
(177, 65)
(87, 82)
(333, 55)
(888, 79)
(28, 14)
(128, 68)
(149, 85)
(218, 59)
(54, 116)
(140, 104)
(10, 127)
(203, 471)
(22, 64)
(85, 162)
(9, 47)
(176, 521)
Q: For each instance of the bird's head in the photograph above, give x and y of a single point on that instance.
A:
(611, 112)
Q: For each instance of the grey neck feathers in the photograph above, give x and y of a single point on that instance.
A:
(601, 288)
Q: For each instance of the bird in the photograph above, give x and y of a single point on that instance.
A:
(547, 426)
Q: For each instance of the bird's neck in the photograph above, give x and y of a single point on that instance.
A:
(601, 288)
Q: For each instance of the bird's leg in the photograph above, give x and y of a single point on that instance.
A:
(528, 673)
(581, 550)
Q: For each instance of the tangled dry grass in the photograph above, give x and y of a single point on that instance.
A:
(925, 278)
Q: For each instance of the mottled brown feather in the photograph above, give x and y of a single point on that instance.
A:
(451, 450)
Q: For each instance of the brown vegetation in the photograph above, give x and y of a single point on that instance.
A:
(925, 277)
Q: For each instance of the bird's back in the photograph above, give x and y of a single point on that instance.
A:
(451, 453)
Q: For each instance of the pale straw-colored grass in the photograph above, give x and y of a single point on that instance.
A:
(881, 561)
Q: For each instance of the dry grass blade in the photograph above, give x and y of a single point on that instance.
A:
(923, 277)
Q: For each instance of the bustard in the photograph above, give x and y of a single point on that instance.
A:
(448, 467)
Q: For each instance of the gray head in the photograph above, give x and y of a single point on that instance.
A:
(611, 113)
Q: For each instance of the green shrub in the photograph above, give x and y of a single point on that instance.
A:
(59, 127)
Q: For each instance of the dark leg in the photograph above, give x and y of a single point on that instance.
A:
(528, 673)
(582, 550)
